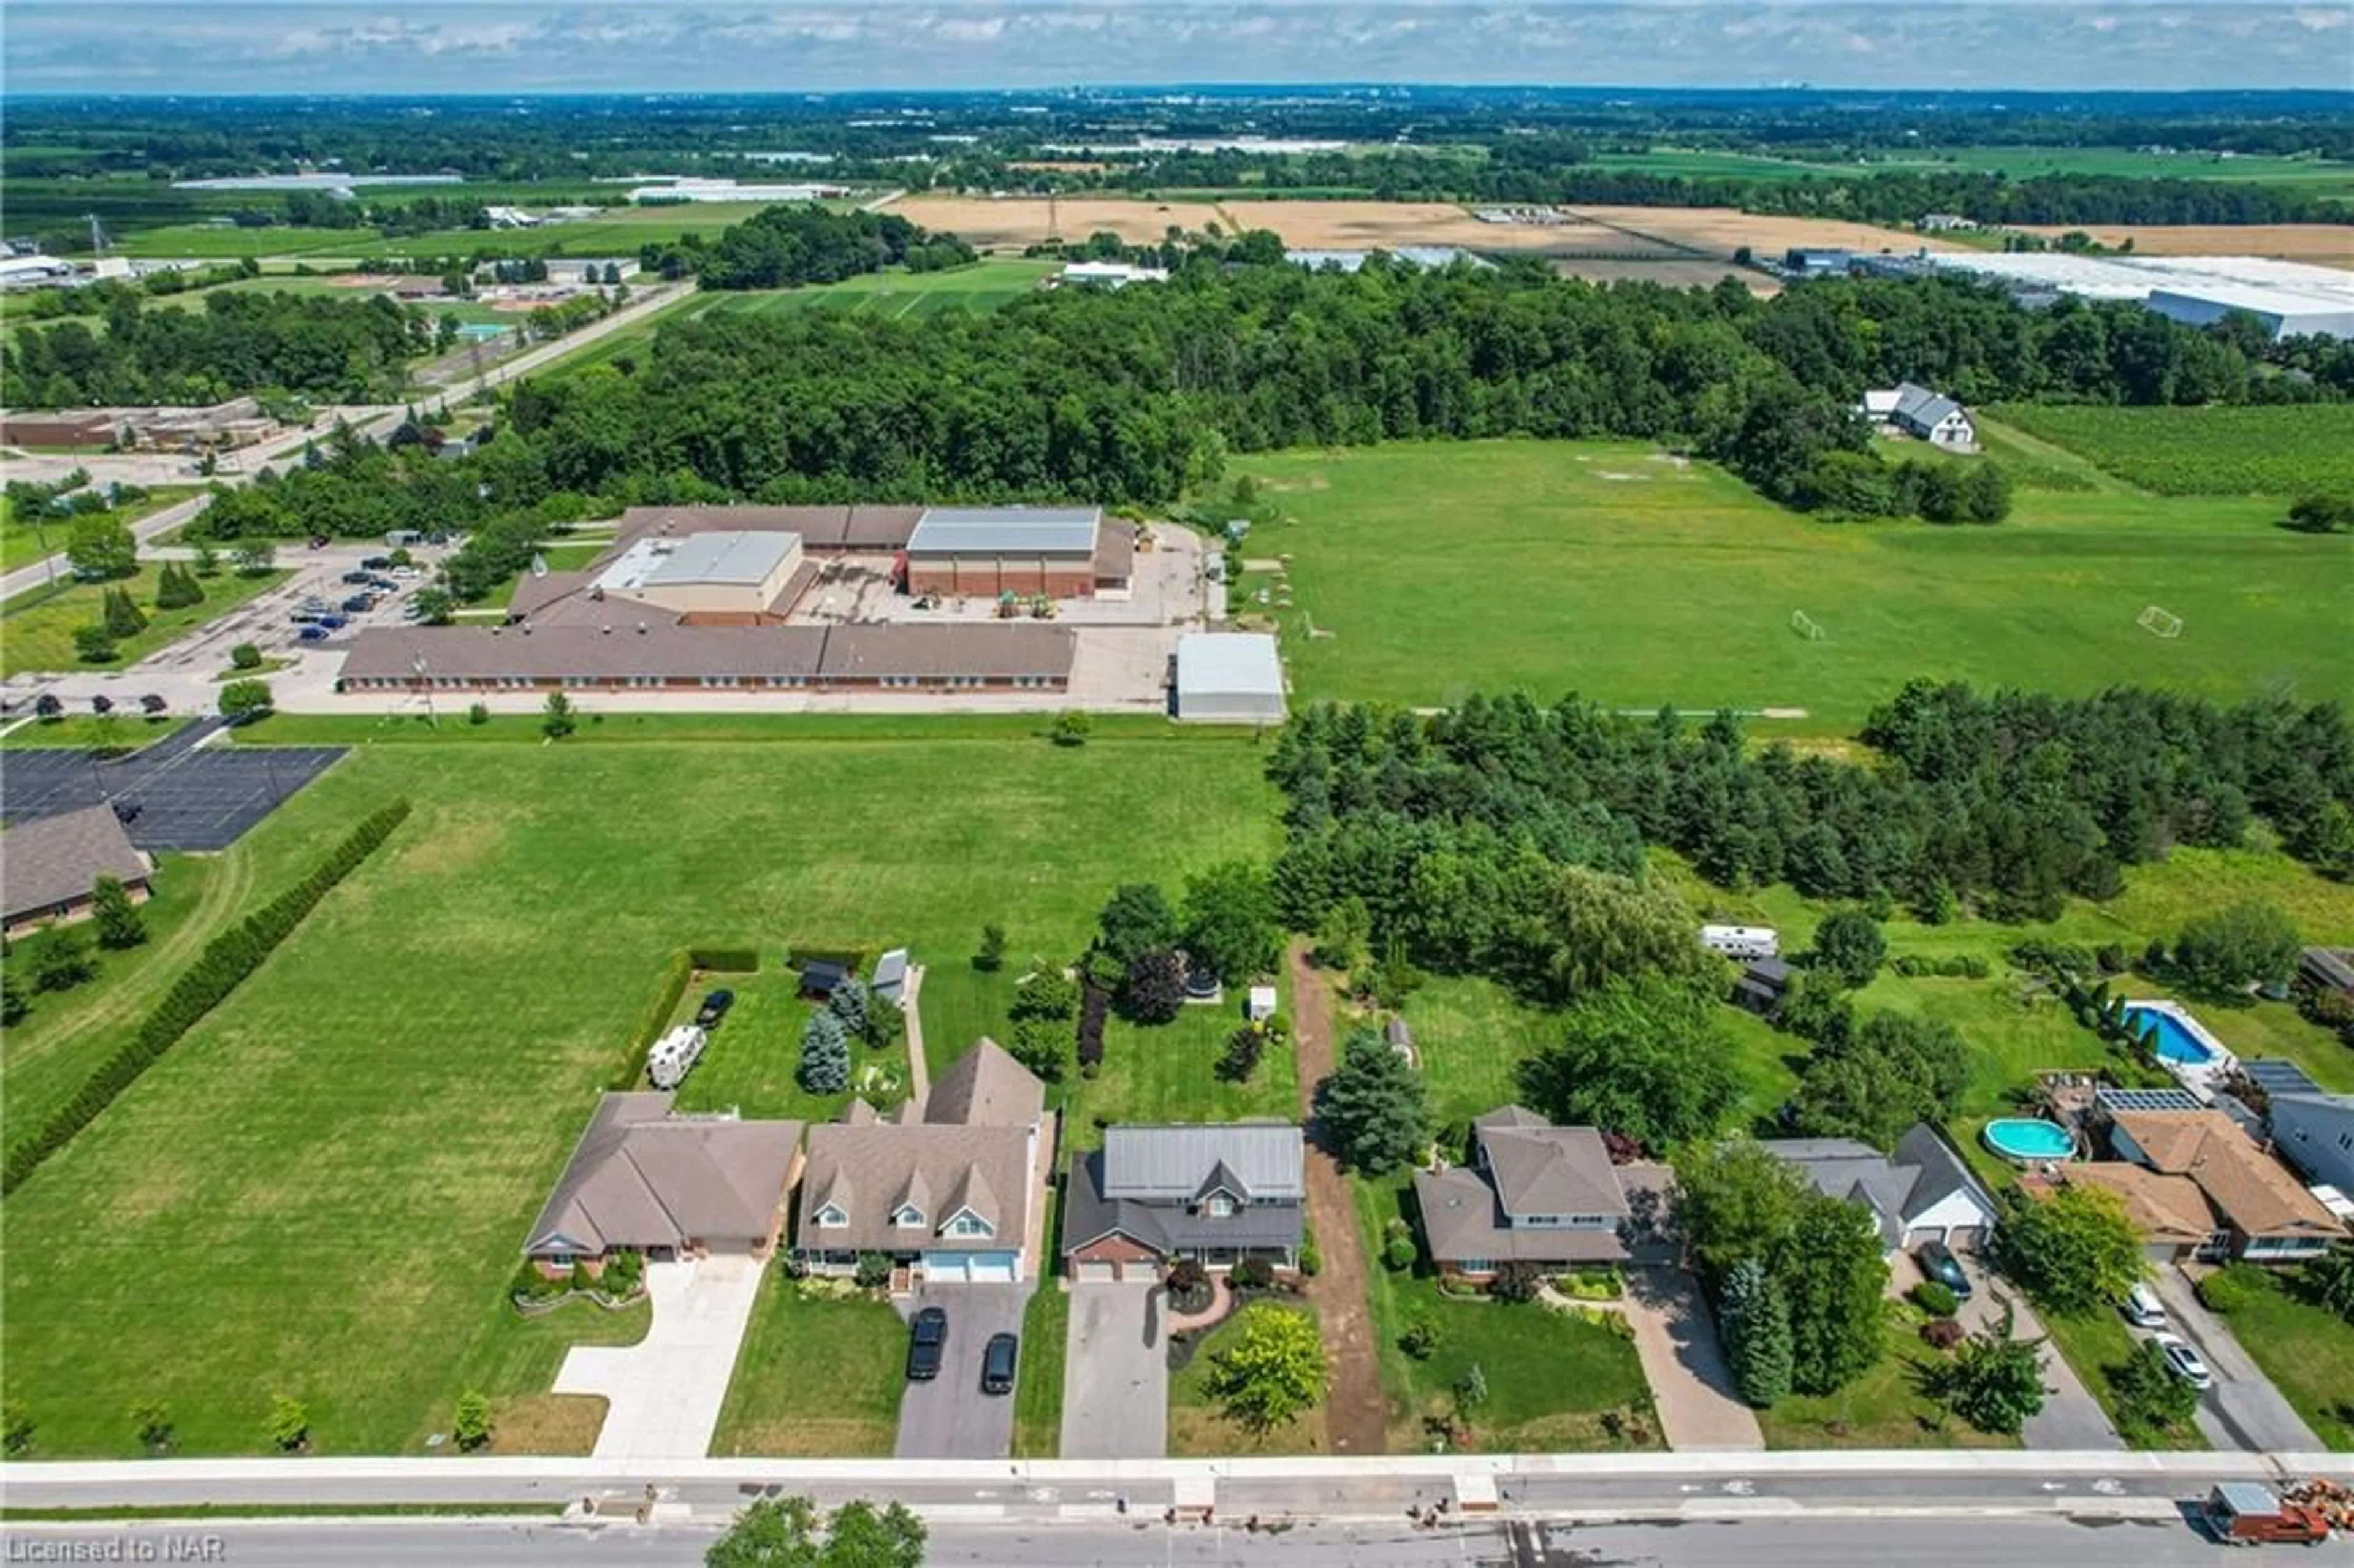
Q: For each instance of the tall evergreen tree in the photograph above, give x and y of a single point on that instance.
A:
(1756, 1321)
(825, 1055)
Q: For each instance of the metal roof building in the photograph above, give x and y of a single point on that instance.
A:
(1006, 531)
(1228, 677)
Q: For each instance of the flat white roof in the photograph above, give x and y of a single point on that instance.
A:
(1006, 530)
(1228, 662)
(745, 557)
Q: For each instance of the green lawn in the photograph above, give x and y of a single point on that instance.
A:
(1038, 1395)
(36, 628)
(414, 1065)
(1429, 570)
(109, 735)
(816, 1376)
(615, 231)
(1555, 1383)
(750, 1064)
(22, 542)
(1198, 1428)
(2308, 1353)
(982, 286)
(1883, 1409)
(2095, 1341)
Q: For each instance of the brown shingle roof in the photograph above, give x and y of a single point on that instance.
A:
(873, 652)
(663, 651)
(2255, 1193)
(865, 1168)
(986, 1087)
(1115, 551)
(1552, 1170)
(58, 860)
(1462, 1223)
(2167, 1209)
(2170, 1140)
(639, 1178)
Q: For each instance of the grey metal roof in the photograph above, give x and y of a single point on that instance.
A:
(2275, 1077)
(1006, 530)
(820, 528)
(744, 558)
(1918, 405)
(58, 860)
(2328, 966)
(1169, 1164)
(1227, 663)
(1170, 1227)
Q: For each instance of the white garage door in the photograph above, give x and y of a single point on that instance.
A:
(1097, 1273)
(971, 1268)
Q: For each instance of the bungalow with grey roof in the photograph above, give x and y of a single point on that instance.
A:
(1922, 1193)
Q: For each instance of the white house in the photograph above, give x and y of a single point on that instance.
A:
(1921, 413)
(1924, 1193)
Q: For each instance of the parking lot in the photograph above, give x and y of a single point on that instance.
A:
(949, 1417)
(178, 794)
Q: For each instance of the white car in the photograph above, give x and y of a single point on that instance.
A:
(2186, 1361)
(2141, 1309)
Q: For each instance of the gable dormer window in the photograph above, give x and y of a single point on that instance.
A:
(1221, 1205)
(832, 1217)
(907, 1216)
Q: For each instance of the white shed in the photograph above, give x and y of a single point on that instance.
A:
(1228, 677)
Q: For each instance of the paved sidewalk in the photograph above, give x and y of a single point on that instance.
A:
(1683, 1360)
(920, 1074)
(663, 1394)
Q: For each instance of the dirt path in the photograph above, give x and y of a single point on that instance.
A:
(1356, 1413)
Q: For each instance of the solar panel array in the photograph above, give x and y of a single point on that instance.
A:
(2113, 1100)
(2277, 1077)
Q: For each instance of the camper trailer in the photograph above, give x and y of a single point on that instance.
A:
(1742, 941)
(672, 1055)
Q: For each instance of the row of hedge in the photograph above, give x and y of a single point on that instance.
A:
(226, 962)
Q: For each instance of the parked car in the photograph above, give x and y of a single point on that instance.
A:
(304, 616)
(2186, 1361)
(1938, 1263)
(928, 1344)
(334, 622)
(359, 604)
(2141, 1309)
(320, 541)
(384, 585)
(714, 1008)
(411, 613)
(997, 1361)
(377, 563)
(312, 634)
(357, 579)
(406, 572)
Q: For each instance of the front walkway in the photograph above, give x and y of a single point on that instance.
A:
(920, 1072)
(1683, 1360)
(663, 1394)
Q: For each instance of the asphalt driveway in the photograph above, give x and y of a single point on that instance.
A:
(2243, 1410)
(949, 1417)
(1116, 1373)
(2071, 1417)
(662, 1395)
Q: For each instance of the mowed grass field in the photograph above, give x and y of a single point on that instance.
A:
(1612, 570)
(614, 231)
(321, 1191)
(982, 286)
(36, 629)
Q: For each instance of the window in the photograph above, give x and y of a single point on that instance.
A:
(969, 1225)
(1477, 1266)
(832, 1217)
(1221, 1205)
(908, 1214)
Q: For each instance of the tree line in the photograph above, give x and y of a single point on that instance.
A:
(785, 247)
(237, 344)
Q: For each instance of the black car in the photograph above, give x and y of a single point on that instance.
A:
(377, 563)
(997, 1359)
(714, 1008)
(926, 1345)
(357, 579)
(359, 604)
(1938, 1263)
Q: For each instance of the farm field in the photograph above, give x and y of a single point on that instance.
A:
(1722, 230)
(616, 232)
(1387, 224)
(2324, 244)
(1429, 570)
(428, 1101)
(983, 286)
(1672, 272)
(2258, 450)
(983, 221)
(36, 629)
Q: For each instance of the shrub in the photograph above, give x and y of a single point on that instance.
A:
(1420, 1339)
(1042, 1046)
(1095, 1010)
(225, 962)
(1942, 1333)
(16, 1430)
(469, 1421)
(1517, 1281)
(873, 1271)
(1153, 990)
(243, 700)
(1243, 1048)
(289, 1427)
(1050, 996)
(118, 921)
(989, 957)
(94, 644)
(64, 961)
(151, 1419)
(2232, 1288)
(1071, 727)
(1252, 1274)
(248, 656)
(2111, 958)
(1936, 1299)
(477, 713)
(1312, 1259)
(1398, 1251)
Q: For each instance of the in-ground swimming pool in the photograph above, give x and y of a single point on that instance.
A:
(2029, 1139)
(2175, 1041)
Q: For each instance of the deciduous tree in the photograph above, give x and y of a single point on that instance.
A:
(1833, 1275)
(1848, 944)
(1273, 1368)
(1995, 1381)
(1645, 1058)
(2236, 946)
(2075, 1251)
(1230, 923)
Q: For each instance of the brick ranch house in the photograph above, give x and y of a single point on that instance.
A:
(1215, 1192)
(49, 867)
(643, 1179)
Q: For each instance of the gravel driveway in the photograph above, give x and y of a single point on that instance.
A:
(1116, 1373)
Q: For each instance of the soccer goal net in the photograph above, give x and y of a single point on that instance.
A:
(2160, 622)
(1805, 626)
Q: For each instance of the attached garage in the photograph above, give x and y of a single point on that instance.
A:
(1960, 1238)
(1099, 1271)
(972, 1268)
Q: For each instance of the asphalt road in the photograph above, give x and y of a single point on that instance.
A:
(1836, 1542)
(949, 1417)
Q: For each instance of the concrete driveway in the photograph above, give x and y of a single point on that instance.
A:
(663, 1394)
(2071, 1417)
(949, 1417)
(1116, 1373)
(2243, 1410)
(1683, 1360)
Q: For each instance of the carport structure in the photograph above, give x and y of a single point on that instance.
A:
(178, 794)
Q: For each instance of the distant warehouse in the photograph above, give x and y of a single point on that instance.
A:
(1228, 677)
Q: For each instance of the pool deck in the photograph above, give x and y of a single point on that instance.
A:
(2201, 1078)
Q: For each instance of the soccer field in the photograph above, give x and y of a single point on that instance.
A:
(1612, 570)
(322, 1189)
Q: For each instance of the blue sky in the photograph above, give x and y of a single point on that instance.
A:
(479, 45)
